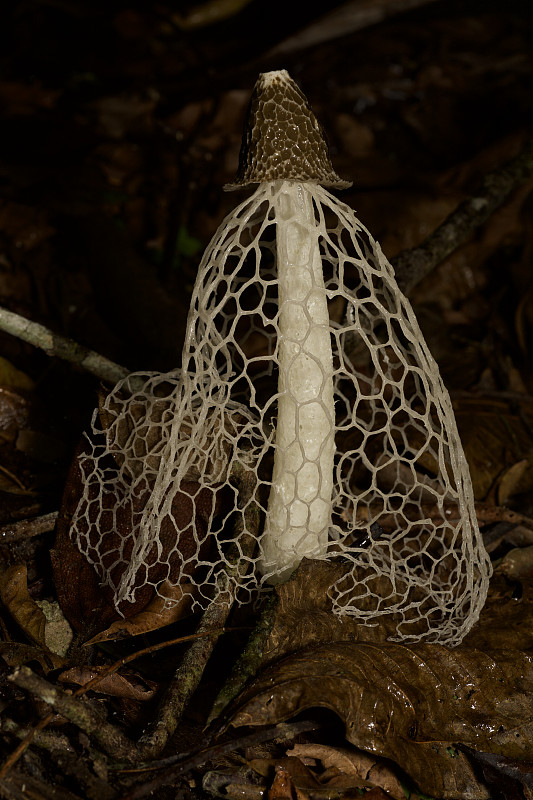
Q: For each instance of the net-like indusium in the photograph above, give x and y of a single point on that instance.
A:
(303, 368)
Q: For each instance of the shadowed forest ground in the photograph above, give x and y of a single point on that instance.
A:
(121, 122)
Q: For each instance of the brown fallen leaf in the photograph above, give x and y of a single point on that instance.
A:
(408, 704)
(76, 583)
(25, 611)
(285, 787)
(129, 687)
(16, 654)
(505, 776)
(512, 481)
(356, 767)
(170, 604)
(87, 604)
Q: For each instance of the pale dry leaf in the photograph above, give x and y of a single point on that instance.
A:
(512, 480)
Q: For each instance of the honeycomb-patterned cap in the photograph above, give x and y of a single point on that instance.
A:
(283, 140)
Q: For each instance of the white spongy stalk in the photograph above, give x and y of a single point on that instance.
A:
(303, 369)
(299, 507)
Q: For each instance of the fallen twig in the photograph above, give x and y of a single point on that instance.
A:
(104, 734)
(35, 732)
(59, 346)
(410, 266)
(26, 528)
(248, 663)
(43, 739)
(191, 668)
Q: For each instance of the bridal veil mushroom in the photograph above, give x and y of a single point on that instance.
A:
(304, 364)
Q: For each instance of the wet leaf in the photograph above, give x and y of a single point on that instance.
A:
(505, 776)
(304, 616)
(25, 611)
(129, 687)
(409, 704)
(506, 620)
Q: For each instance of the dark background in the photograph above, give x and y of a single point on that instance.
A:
(122, 121)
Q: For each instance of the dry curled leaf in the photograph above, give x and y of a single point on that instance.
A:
(409, 704)
(24, 610)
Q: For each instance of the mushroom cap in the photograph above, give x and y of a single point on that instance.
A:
(283, 140)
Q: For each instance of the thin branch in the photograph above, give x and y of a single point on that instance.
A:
(43, 739)
(59, 346)
(107, 736)
(248, 662)
(33, 732)
(186, 680)
(26, 528)
(412, 265)
(189, 761)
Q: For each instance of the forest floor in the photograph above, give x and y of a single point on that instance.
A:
(121, 123)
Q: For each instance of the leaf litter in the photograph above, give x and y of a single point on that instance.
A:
(471, 316)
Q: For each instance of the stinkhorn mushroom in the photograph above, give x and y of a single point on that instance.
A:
(304, 364)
